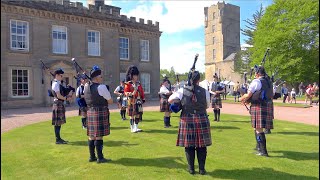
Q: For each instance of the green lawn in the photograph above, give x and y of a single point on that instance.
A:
(30, 152)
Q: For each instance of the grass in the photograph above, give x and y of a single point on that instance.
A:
(280, 104)
(30, 152)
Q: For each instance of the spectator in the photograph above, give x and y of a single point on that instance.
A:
(315, 89)
(309, 94)
(293, 96)
(284, 91)
(301, 88)
(236, 91)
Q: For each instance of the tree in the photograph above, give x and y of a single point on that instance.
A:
(291, 30)
(242, 59)
(172, 75)
(252, 25)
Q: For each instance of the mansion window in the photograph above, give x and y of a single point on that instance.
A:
(144, 50)
(214, 54)
(20, 82)
(145, 82)
(93, 43)
(59, 40)
(124, 48)
(19, 35)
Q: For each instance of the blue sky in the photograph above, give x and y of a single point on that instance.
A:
(182, 24)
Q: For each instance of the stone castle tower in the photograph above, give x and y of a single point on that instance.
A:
(222, 40)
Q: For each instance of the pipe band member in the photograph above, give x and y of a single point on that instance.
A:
(81, 101)
(58, 108)
(165, 92)
(121, 99)
(216, 103)
(194, 127)
(260, 93)
(135, 96)
(97, 97)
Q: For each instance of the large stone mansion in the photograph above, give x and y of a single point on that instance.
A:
(55, 31)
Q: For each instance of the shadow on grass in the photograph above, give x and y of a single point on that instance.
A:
(255, 173)
(163, 162)
(300, 133)
(150, 120)
(224, 127)
(298, 156)
(167, 131)
(105, 143)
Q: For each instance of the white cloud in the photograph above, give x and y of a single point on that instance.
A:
(179, 16)
(181, 57)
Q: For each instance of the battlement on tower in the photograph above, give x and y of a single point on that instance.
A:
(97, 11)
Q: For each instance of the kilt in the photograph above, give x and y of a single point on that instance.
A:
(98, 124)
(262, 115)
(134, 109)
(83, 111)
(194, 130)
(216, 102)
(164, 105)
(58, 113)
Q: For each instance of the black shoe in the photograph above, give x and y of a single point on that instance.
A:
(64, 141)
(61, 141)
(202, 172)
(103, 160)
(191, 171)
(215, 120)
(92, 159)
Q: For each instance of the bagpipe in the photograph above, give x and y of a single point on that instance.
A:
(80, 101)
(176, 105)
(64, 91)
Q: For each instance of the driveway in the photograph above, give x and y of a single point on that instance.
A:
(13, 118)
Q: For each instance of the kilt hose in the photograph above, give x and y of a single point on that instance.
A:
(98, 124)
(164, 105)
(262, 115)
(58, 113)
(83, 111)
(216, 102)
(194, 131)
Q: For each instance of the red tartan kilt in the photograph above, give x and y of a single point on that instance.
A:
(216, 102)
(83, 111)
(58, 114)
(262, 115)
(194, 130)
(98, 124)
(164, 105)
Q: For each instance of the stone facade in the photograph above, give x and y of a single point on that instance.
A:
(222, 40)
(41, 16)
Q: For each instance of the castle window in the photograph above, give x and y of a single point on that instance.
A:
(145, 82)
(124, 48)
(213, 28)
(59, 40)
(213, 16)
(20, 82)
(19, 35)
(213, 40)
(93, 43)
(144, 50)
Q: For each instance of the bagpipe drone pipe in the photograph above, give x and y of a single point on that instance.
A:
(64, 91)
(176, 105)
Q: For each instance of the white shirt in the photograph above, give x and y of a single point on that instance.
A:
(118, 89)
(103, 91)
(79, 89)
(293, 93)
(163, 90)
(179, 94)
(255, 86)
(56, 85)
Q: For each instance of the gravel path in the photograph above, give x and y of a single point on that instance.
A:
(13, 118)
